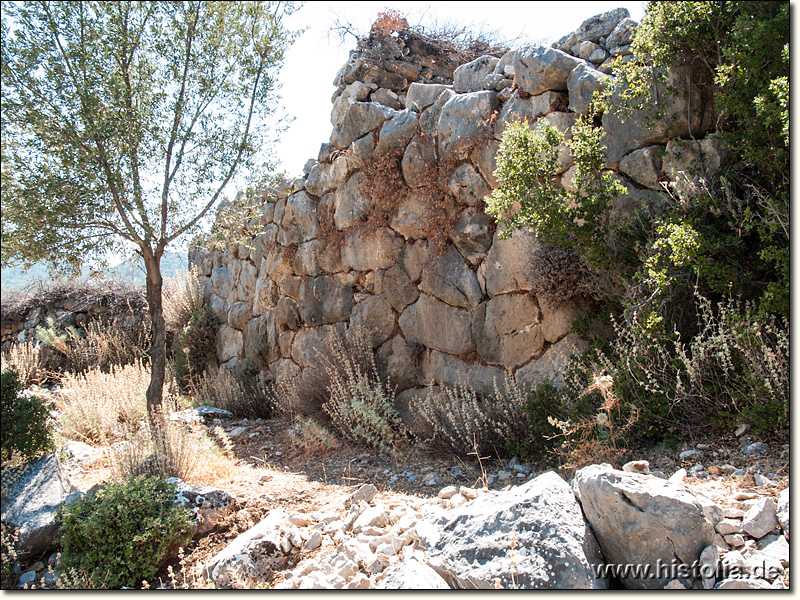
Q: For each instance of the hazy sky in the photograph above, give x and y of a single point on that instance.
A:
(315, 58)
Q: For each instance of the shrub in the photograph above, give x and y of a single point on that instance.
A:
(190, 456)
(27, 361)
(736, 367)
(360, 402)
(194, 347)
(25, 430)
(98, 404)
(8, 555)
(183, 298)
(242, 390)
(310, 438)
(120, 534)
(465, 422)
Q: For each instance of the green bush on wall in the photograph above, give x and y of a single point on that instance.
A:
(119, 535)
(24, 421)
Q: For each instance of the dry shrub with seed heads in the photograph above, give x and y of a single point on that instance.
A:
(27, 361)
(190, 455)
(561, 276)
(243, 391)
(360, 402)
(183, 297)
(465, 422)
(98, 404)
(310, 438)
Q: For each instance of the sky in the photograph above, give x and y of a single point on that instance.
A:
(314, 59)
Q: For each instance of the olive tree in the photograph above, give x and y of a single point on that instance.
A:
(123, 123)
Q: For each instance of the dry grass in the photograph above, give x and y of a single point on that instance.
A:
(360, 402)
(27, 360)
(183, 297)
(190, 455)
(96, 405)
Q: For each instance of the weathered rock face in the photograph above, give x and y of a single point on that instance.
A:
(642, 520)
(30, 505)
(387, 229)
(471, 547)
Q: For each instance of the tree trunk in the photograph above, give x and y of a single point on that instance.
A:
(158, 348)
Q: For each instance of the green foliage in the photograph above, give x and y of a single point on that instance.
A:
(195, 345)
(529, 194)
(737, 56)
(25, 429)
(8, 555)
(124, 122)
(119, 535)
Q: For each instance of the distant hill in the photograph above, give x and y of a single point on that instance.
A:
(14, 278)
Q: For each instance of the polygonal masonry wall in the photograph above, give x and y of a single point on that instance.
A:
(386, 228)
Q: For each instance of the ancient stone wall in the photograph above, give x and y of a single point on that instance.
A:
(64, 305)
(386, 228)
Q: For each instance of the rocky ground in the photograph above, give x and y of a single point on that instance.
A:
(735, 473)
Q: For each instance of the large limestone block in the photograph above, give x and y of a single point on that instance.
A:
(326, 176)
(418, 162)
(306, 262)
(262, 242)
(325, 300)
(230, 343)
(644, 166)
(400, 361)
(360, 119)
(397, 132)
(411, 574)
(351, 201)
(246, 287)
(538, 69)
(429, 118)
(642, 520)
(464, 121)
(528, 109)
(442, 369)
(411, 218)
(371, 251)
(32, 501)
(450, 280)
(594, 28)
(557, 318)
(398, 289)
(253, 556)
(506, 266)
(622, 35)
(299, 220)
(686, 113)
(507, 331)
(375, 317)
(239, 314)
(309, 344)
(484, 157)
(472, 235)
(471, 546)
(551, 365)
(583, 83)
(421, 95)
(437, 325)
(469, 77)
(261, 339)
(467, 186)
(690, 164)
